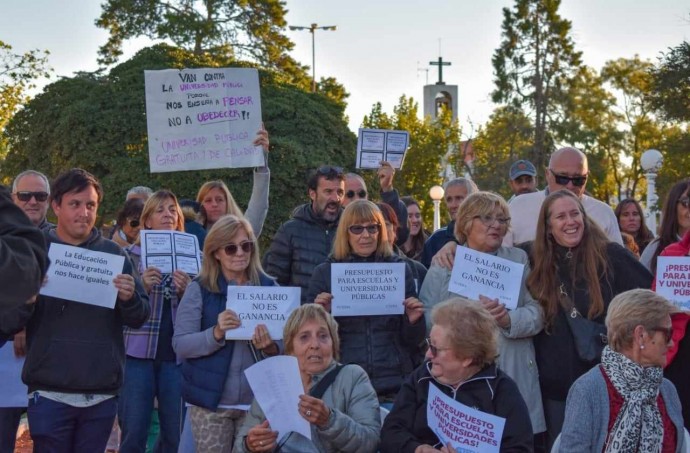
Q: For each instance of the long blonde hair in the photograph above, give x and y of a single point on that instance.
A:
(230, 204)
(154, 201)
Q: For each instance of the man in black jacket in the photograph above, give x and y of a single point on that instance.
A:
(75, 360)
(305, 241)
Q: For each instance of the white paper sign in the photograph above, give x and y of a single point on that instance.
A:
(82, 275)
(203, 118)
(170, 250)
(673, 279)
(365, 289)
(268, 305)
(476, 273)
(376, 145)
(13, 392)
(277, 385)
(468, 430)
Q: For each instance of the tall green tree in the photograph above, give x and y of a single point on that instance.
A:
(670, 83)
(535, 58)
(430, 141)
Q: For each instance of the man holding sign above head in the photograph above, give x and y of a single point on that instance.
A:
(481, 223)
(75, 360)
(460, 385)
(213, 369)
(381, 334)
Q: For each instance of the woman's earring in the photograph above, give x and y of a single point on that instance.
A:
(641, 346)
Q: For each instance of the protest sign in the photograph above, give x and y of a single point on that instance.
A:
(468, 430)
(254, 305)
(13, 392)
(363, 289)
(168, 251)
(277, 385)
(203, 118)
(476, 273)
(673, 279)
(82, 275)
(376, 145)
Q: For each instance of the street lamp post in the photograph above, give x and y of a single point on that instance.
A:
(436, 194)
(312, 29)
(651, 161)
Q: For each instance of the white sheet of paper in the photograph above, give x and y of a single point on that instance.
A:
(169, 250)
(364, 289)
(277, 385)
(376, 145)
(673, 279)
(465, 428)
(476, 273)
(203, 118)
(268, 305)
(82, 275)
(13, 392)
(397, 141)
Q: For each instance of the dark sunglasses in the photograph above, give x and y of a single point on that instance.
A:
(351, 194)
(433, 349)
(26, 196)
(667, 331)
(563, 180)
(134, 223)
(685, 202)
(246, 246)
(327, 170)
(359, 229)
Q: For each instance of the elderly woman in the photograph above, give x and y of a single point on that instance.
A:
(480, 224)
(127, 224)
(460, 362)
(675, 222)
(631, 221)
(625, 404)
(213, 368)
(151, 370)
(216, 200)
(575, 273)
(344, 416)
(387, 347)
(414, 245)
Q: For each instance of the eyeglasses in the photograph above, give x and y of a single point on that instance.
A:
(246, 246)
(563, 180)
(351, 194)
(134, 223)
(667, 331)
(374, 228)
(684, 201)
(489, 220)
(26, 196)
(433, 349)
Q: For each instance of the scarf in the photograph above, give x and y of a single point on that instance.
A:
(638, 427)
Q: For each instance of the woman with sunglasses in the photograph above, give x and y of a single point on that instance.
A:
(624, 404)
(216, 200)
(576, 272)
(675, 222)
(151, 371)
(480, 224)
(631, 221)
(127, 225)
(387, 347)
(461, 363)
(213, 368)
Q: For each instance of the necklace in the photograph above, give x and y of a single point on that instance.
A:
(573, 311)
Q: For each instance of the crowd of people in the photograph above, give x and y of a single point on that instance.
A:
(590, 358)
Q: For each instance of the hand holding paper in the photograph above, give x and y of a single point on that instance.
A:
(324, 299)
(262, 438)
(386, 173)
(125, 286)
(226, 320)
(414, 309)
(314, 410)
(497, 310)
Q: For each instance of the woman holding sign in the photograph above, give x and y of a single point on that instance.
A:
(481, 223)
(216, 200)
(213, 368)
(388, 347)
(472, 391)
(151, 370)
(338, 402)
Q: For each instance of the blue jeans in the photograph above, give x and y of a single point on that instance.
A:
(58, 427)
(145, 380)
(9, 423)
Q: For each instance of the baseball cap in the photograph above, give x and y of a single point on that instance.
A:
(522, 167)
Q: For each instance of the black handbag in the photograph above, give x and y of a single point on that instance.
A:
(589, 336)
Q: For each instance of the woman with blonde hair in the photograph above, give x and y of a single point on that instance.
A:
(213, 367)
(387, 347)
(151, 370)
(216, 200)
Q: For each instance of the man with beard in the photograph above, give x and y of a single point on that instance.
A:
(304, 242)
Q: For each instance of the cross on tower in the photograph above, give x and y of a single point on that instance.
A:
(440, 63)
